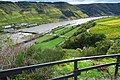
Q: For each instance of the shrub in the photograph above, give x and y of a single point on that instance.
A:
(115, 48)
(84, 27)
(83, 40)
(89, 51)
(37, 56)
(103, 46)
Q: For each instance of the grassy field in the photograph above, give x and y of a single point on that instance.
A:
(51, 43)
(44, 38)
(108, 26)
(63, 33)
(70, 33)
(63, 30)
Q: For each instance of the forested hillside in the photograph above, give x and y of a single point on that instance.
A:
(100, 9)
(37, 12)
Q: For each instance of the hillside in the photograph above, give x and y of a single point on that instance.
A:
(100, 9)
(108, 26)
(37, 12)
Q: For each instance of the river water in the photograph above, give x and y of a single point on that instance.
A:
(48, 27)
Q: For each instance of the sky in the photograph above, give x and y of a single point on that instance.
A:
(72, 1)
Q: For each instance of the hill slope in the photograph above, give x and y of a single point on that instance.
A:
(37, 12)
(100, 9)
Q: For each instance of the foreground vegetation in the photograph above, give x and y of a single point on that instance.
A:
(72, 42)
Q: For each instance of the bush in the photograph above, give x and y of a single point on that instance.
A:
(83, 40)
(37, 56)
(103, 46)
(115, 48)
(84, 27)
(89, 51)
(38, 74)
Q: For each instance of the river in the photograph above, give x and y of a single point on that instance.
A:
(48, 27)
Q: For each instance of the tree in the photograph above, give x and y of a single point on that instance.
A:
(83, 40)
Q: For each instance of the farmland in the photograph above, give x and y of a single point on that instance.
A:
(108, 26)
(56, 37)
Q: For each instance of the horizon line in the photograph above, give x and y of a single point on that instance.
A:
(74, 3)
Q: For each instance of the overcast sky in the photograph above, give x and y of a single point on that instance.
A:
(72, 1)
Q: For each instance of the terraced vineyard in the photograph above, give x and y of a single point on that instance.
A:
(108, 26)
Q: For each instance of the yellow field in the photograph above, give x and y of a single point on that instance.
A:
(108, 26)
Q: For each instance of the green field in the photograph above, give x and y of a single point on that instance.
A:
(51, 43)
(66, 33)
(95, 73)
(44, 38)
(70, 33)
(108, 26)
